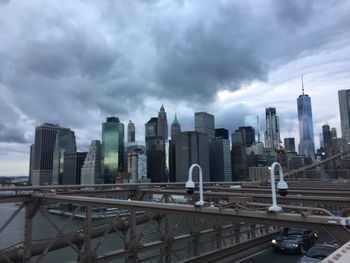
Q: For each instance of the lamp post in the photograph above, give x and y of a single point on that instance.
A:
(281, 186)
(190, 184)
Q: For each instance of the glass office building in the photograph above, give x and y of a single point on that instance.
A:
(306, 130)
(112, 148)
(344, 107)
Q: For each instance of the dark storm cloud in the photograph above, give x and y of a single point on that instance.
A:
(73, 62)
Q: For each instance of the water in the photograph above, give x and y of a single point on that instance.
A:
(43, 229)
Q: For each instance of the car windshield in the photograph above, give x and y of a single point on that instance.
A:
(320, 252)
(292, 232)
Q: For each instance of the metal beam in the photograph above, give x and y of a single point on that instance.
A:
(334, 224)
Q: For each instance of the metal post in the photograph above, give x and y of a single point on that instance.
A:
(190, 181)
(28, 231)
(87, 235)
(275, 207)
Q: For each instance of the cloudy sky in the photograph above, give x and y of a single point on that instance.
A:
(76, 62)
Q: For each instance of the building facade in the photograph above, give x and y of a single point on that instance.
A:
(204, 123)
(239, 157)
(253, 121)
(344, 107)
(272, 133)
(44, 149)
(131, 132)
(192, 147)
(306, 130)
(73, 162)
(162, 124)
(289, 144)
(65, 143)
(220, 160)
(112, 149)
(91, 170)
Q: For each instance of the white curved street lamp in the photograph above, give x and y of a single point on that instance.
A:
(281, 186)
(190, 184)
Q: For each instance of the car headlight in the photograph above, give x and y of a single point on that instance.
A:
(315, 234)
(274, 241)
(295, 245)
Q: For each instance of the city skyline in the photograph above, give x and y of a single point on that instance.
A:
(81, 64)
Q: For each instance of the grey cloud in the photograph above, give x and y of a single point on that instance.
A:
(11, 135)
(67, 64)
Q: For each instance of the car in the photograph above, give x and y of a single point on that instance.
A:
(318, 252)
(294, 240)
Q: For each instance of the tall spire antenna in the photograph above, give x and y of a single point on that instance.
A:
(302, 83)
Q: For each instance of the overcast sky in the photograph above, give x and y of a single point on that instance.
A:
(77, 62)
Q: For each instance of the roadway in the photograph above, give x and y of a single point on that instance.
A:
(267, 255)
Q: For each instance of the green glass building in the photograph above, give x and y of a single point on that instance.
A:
(112, 149)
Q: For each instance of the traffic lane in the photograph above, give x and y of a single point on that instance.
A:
(268, 255)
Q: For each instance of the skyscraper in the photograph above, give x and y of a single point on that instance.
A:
(239, 157)
(45, 139)
(91, 170)
(253, 121)
(175, 128)
(272, 133)
(249, 135)
(221, 133)
(289, 145)
(192, 147)
(204, 123)
(175, 132)
(344, 107)
(65, 143)
(220, 160)
(151, 127)
(306, 130)
(73, 162)
(162, 124)
(327, 140)
(31, 162)
(131, 132)
(112, 148)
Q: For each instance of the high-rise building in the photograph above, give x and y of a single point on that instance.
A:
(272, 133)
(327, 141)
(131, 131)
(344, 107)
(157, 147)
(73, 162)
(334, 133)
(112, 149)
(137, 166)
(253, 121)
(204, 123)
(220, 160)
(156, 163)
(45, 139)
(306, 129)
(65, 143)
(175, 132)
(151, 127)
(249, 135)
(289, 144)
(192, 147)
(221, 133)
(239, 157)
(31, 162)
(91, 170)
(320, 135)
(175, 128)
(162, 124)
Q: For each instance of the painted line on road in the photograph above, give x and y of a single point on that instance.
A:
(256, 254)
